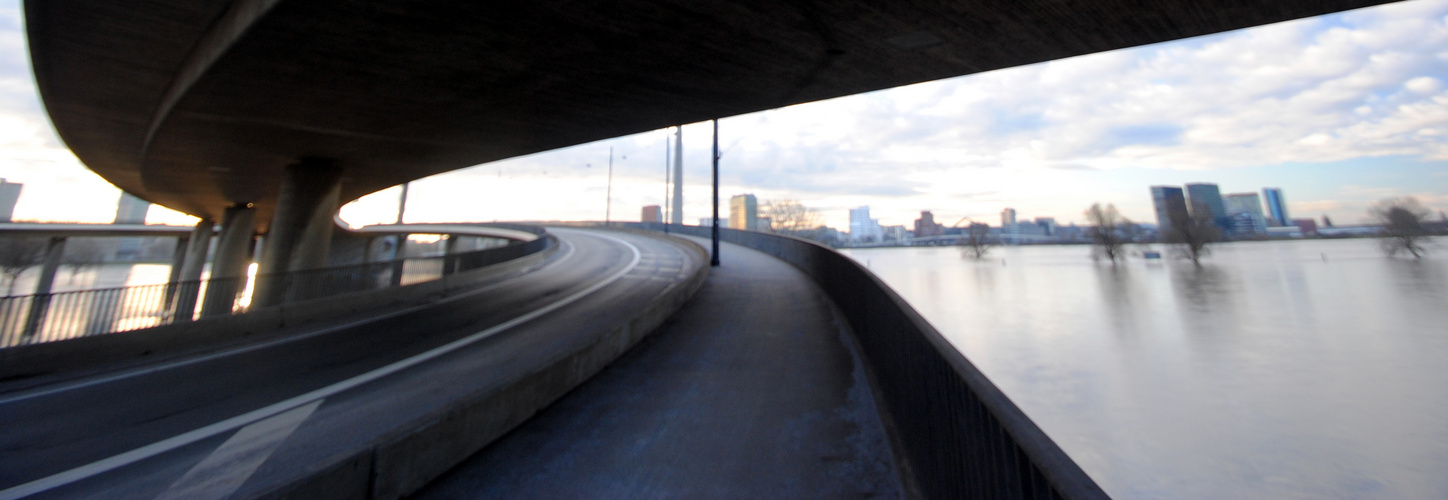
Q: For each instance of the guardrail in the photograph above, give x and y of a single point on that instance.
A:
(33, 319)
(961, 436)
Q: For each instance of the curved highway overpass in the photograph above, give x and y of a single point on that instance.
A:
(201, 105)
(135, 429)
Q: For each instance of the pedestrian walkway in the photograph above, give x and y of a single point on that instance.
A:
(752, 390)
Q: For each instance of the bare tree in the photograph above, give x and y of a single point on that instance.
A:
(1402, 220)
(1110, 232)
(976, 239)
(82, 254)
(17, 255)
(793, 218)
(1191, 233)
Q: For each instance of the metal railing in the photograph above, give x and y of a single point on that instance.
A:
(959, 434)
(34, 319)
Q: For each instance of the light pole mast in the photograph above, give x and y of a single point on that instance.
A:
(608, 200)
(665, 219)
(714, 257)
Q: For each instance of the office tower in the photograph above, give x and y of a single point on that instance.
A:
(1245, 212)
(1276, 207)
(652, 213)
(9, 194)
(925, 226)
(1243, 203)
(744, 212)
(1008, 217)
(131, 210)
(1204, 199)
(1170, 203)
(862, 227)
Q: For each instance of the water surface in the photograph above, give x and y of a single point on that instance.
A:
(1290, 369)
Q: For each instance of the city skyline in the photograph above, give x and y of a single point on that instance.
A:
(1341, 111)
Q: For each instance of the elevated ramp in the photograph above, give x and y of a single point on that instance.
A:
(753, 390)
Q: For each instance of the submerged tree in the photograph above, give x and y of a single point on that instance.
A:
(1110, 232)
(976, 238)
(1402, 220)
(1191, 234)
(793, 218)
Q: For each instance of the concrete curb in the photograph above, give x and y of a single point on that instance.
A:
(409, 457)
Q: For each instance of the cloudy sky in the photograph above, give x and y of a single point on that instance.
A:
(1338, 111)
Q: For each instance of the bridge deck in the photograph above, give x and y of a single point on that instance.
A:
(753, 389)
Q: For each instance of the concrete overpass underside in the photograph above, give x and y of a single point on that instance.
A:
(201, 105)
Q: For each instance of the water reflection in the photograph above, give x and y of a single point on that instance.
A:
(1309, 369)
(1116, 291)
(1420, 278)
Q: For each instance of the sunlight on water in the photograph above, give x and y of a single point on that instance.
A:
(1301, 369)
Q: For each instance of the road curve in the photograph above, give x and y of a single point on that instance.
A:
(237, 421)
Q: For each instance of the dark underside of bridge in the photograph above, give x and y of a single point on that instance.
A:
(201, 104)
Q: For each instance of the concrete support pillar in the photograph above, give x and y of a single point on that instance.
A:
(449, 252)
(54, 249)
(228, 264)
(188, 276)
(369, 250)
(300, 234)
(399, 252)
(178, 259)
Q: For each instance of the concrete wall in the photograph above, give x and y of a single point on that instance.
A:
(961, 436)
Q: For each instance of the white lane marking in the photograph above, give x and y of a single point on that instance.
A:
(180, 440)
(66, 386)
(223, 471)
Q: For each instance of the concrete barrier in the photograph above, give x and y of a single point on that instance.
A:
(147, 345)
(427, 445)
(961, 436)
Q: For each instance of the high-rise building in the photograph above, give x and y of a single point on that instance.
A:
(1243, 203)
(1171, 204)
(926, 226)
(652, 213)
(1205, 199)
(862, 227)
(676, 214)
(131, 210)
(1008, 217)
(1245, 212)
(1048, 224)
(744, 212)
(1276, 207)
(9, 195)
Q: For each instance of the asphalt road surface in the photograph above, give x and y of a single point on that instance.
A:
(223, 423)
(753, 390)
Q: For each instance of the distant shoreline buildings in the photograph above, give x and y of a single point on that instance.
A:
(1238, 216)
